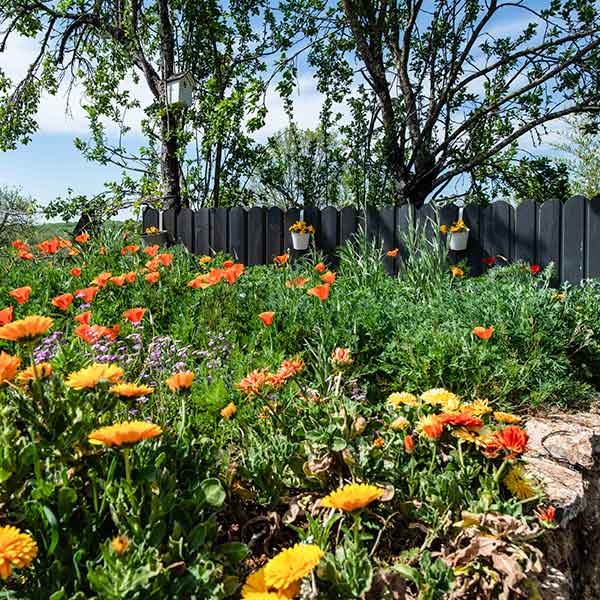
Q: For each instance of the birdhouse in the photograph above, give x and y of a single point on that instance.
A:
(180, 88)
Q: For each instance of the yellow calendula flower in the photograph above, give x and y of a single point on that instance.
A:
(439, 396)
(504, 417)
(399, 424)
(229, 411)
(17, 549)
(292, 565)
(479, 407)
(204, 260)
(403, 398)
(456, 271)
(255, 588)
(90, 377)
(120, 544)
(127, 432)
(518, 484)
(352, 496)
(130, 390)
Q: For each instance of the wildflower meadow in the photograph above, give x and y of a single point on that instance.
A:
(175, 426)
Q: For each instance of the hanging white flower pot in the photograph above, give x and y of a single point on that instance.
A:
(459, 240)
(300, 241)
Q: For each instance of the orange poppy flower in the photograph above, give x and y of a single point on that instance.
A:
(101, 279)
(6, 315)
(129, 250)
(328, 277)
(233, 273)
(26, 329)
(392, 253)
(298, 282)
(180, 381)
(90, 334)
(8, 367)
(129, 432)
(22, 254)
(483, 333)
(49, 246)
(135, 315)
(75, 271)
(21, 295)
(320, 267)
(152, 277)
(151, 250)
(117, 280)
(19, 245)
(229, 411)
(228, 264)
(130, 277)
(166, 259)
(82, 238)
(282, 259)
(511, 439)
(87, 294)
(84, 317)
(63, 301)
(409, 444)
(266, 318)
(102, 250)
(320, 291)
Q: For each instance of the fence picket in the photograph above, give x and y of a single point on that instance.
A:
(238, 234)
(257, 237)
(185, 228)
(202, 231)
(274, 233)
(573, 238)
(219, 229)
(593, 237)
(549, 237)
(525, 232)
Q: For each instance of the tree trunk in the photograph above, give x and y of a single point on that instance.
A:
(217, 186)
(169, 161)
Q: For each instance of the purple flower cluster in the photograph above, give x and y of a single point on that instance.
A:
(217, 355)
(356, 392)
(124, 352)
(48, 348)
(165, 355)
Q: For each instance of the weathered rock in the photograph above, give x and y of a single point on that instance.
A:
(564, 455)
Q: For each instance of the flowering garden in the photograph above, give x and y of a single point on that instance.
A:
(176, 426)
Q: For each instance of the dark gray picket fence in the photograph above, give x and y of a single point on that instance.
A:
(565, 233)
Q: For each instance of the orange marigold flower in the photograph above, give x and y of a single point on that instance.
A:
(135, 315)
(152, 277)
(379, 442)
(127, 432)
(25, 330)
(8, 367)
(267, 318)
(90, 377)
(21, 295)
(392, 253)
(292, 565)
(253, 383)
(82, 238)
(320, 267)
(63, 301)
(328, 277)
(511, 439)
(282, 259)
(352, 496)
(75, 271)
(320, 291)
(288, 369)
(456, 271)
(17, 549)
(483, 333)
(6, 315)
(461, 420)
(120, 544)
(229, 411)
(166, 259)
(84, 317)
(180, 381)
(409, 444)
(431, 426)
(341, 357)
(43, 370)
(87, 294)
(130, 390)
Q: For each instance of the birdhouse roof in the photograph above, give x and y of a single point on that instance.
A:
(179, 76)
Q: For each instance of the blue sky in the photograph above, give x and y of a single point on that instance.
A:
(49, 164)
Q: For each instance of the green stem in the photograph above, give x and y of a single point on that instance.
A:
(127, 466)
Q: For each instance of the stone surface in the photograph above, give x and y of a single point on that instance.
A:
(564, 455)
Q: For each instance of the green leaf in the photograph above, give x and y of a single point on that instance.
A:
(214, 493)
